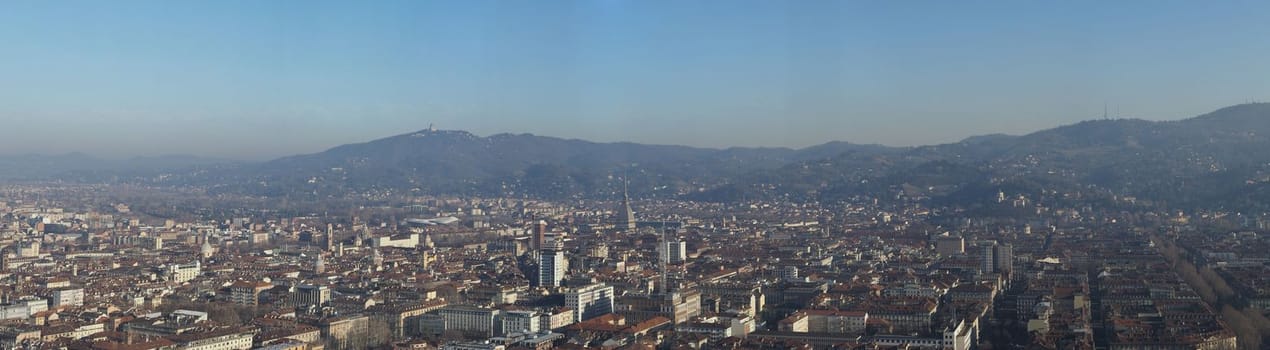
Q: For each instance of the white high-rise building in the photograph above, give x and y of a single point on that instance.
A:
(590, 301)
(551, 268)
(675, 251)
(986, 258)
(996, 258)
(552, 264)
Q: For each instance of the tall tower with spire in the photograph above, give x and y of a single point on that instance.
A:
(626, 216)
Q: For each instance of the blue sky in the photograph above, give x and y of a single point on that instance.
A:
(259, 79)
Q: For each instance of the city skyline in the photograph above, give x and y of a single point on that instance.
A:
(634, 174)
(231, 79)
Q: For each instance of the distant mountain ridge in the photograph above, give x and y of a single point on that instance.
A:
(1216, 160)
(525, 164)
(1211, 161)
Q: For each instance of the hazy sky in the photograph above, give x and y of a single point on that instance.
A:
(257, 79)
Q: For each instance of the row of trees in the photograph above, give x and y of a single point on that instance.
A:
(1248, 323)
(1210, 286)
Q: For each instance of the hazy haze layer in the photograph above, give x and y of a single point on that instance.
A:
(256, 80)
